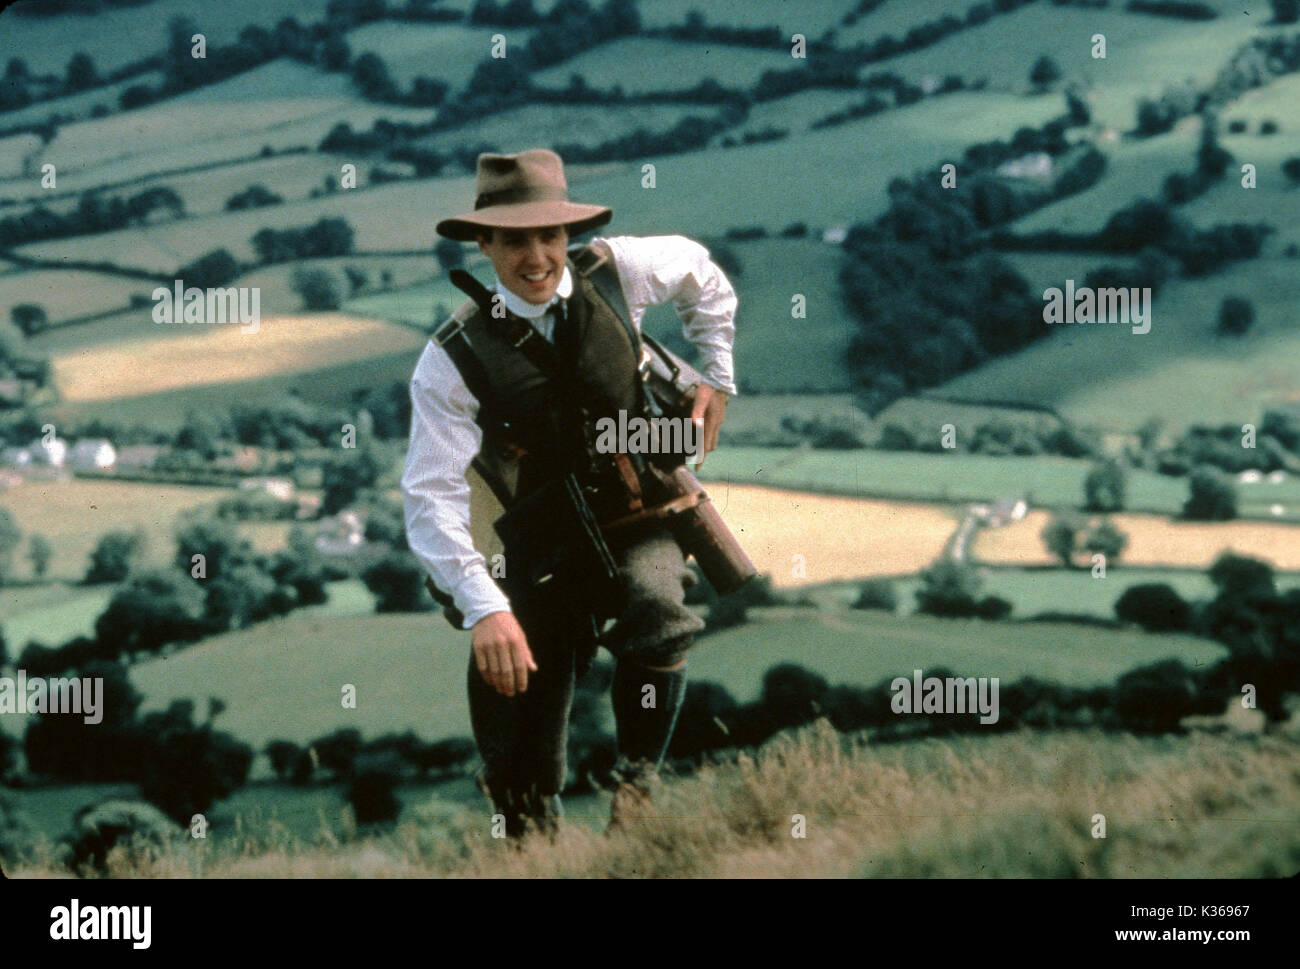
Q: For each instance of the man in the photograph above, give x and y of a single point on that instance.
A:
(522, 669)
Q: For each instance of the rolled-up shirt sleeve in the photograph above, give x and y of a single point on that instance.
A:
(657, 269)
(435, 492)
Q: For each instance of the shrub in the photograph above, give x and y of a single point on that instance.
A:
(113, 557)
(1044, 72)
(876, 594)
(1212, 496)
(213, 269)
(1103, 488)
(1154, 698)
(319, 288)
(1061, 537)
(1105, 539)
(1155, 606)
(371, 786)
(1236, 316)
(948, 589)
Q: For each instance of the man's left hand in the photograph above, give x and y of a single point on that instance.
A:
(710, 410)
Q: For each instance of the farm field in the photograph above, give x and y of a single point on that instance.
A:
(759, 191)
(67, 293)
(810, 19)
(225, 354)
(1180, 372)
(642, 64)
(1035, 591)
(444, 52)
(1143, 53)
(330, 385)
(281, 679)
(120, 32)
(74, 513)
(583, 124)
(1153, 541)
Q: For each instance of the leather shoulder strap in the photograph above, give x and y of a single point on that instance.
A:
(597, 265)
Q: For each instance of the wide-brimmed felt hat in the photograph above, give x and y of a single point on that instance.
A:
(523, 191)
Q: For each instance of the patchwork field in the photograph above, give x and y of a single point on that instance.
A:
(282, 679)
(225, 354)
(1181, 372)
(73, 514)
(444, 52)
(1152, 541)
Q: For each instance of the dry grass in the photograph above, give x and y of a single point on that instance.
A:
(215, 354)
(1007, 805)
(839, 538)
(1153, 540)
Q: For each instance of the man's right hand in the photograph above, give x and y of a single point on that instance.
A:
(502, 654)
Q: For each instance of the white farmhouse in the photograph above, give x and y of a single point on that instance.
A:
(93, 454)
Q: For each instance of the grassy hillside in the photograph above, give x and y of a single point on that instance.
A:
(1017, 805)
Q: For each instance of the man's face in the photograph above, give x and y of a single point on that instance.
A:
(529, 262)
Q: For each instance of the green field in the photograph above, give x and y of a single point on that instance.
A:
(643, 64)
(1143, 54)
(1035, 591)
(958, 477)
(541, 124)
(126, 33)
(283, 678)
(1180, 372)
(445, 52)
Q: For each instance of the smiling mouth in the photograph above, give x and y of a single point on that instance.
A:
(536, 277)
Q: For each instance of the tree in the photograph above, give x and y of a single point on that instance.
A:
(948, 588)
(1236, 316)
(212, 269)
(357, 278)
(1061, 537)
(1044, 72)
(371, 785)
(28, 317)
(1286, 11)
(114, 556)
(1155, 606)
(337, 750)
(1105, 539)
(1103, 487)
(81, 73)
(290, 762)
(188, 766)
(1212, 496)
(397, 581)
(319, 288)
(343, 479)
(876, 594)
(1154, 698)
(370, 74)
(151, 609)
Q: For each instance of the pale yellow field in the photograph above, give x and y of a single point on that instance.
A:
(1152, 540)
(222, 353)
(839, 538)
(74, 514)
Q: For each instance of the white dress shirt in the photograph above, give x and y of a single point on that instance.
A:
(445, 439)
